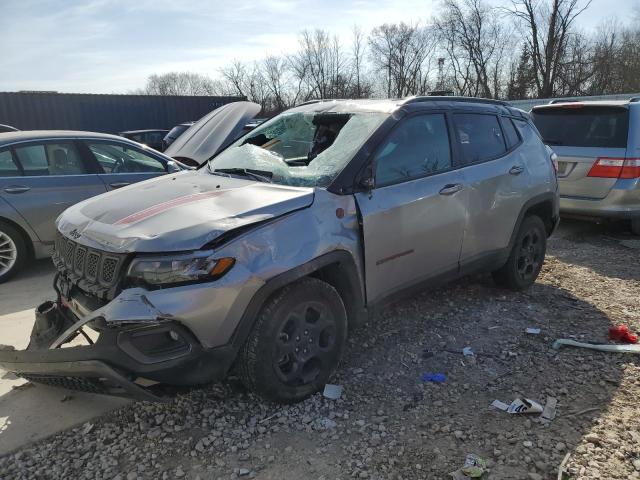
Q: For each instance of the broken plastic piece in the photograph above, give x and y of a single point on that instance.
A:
(519, 405)
(596, 346)
(622, 334)
(467, 352)
(332, 392)
(533, 331)
(549, 411)
(474, 467)
(433, 377)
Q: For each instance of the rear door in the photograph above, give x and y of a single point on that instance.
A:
(122, 164)
(52, 177)
(580, 135)
(497, 178)
(413, 220)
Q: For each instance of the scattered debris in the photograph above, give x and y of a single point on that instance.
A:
(533, 331)
(561, 468)
(427, 353)
(434, 377)
(467, 352)
(327, 424)
(582, 412)
(332, 392)
(597, 346)
(66, 398)
(87, 428)
(549, 411)
(622, 334)
(519, 405)
(473, 467)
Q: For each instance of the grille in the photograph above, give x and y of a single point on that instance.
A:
(109, 269)
(92, 270)
(81, 384)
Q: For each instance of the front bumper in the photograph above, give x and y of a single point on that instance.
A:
(124, 361)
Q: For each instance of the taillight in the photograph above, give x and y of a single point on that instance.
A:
(554, 160)
(606, 167)
(631, 168)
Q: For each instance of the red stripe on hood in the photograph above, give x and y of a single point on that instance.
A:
(164, 206)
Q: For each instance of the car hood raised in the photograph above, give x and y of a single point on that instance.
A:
(213, 132)
(179, 212)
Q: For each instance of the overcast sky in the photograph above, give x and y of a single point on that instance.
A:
(111, 46)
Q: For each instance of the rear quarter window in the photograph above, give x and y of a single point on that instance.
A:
(605, 127)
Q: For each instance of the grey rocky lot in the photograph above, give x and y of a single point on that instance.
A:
(388, 423)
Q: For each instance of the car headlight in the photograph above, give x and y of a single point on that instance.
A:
(165, 270)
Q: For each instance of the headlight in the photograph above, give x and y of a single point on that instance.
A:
(174, 270)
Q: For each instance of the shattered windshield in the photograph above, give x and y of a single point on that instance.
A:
(299, 148)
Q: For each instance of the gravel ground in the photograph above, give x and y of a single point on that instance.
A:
(388, 423)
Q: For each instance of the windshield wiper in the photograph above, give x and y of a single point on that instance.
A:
(552, 142)
(260, 175)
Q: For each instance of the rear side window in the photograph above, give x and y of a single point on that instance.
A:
(583, 126)
(50, 159)
(480, 137)
(510, 133)
(8, 167)
(419, 146)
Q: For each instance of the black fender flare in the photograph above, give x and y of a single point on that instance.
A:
(529, 204)
(337, 257)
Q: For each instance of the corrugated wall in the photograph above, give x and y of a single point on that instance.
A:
(102, 113)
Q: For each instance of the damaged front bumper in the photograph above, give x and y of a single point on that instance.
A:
(126, 359)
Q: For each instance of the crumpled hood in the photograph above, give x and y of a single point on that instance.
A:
(178, 212)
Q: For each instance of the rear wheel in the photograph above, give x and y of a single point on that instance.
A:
(526, 257)
(635, 226)
(12, 252)
(297, 342)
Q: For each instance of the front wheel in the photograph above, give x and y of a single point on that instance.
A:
(12, 252)
(526, 257)
(296, 343)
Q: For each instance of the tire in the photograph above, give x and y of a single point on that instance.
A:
(296, 344)
(526, 257)
(635, 226)
(13, 252)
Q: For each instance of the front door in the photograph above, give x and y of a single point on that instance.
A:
(413, 220)
(51, 177)
(122, 164)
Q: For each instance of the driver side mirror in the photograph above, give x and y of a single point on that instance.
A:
(172, 167)
(367, 183)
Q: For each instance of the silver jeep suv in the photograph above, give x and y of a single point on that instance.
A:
(266, 257)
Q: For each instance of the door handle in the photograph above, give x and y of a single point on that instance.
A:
(516, 170)
(119, 184)
(451, 188)
(17, 189)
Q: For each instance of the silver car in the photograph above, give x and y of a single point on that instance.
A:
(265, 258)
(44, 172)
(598, 148)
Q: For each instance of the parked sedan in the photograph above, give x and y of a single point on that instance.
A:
(44, 172)
(150, 138)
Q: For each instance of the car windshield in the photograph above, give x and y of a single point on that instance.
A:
(299, 148)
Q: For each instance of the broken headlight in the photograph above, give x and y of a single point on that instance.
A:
(173, 270)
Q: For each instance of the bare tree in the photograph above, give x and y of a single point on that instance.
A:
(549, 26)
(181, 83)
(474, 40)
(401, 52)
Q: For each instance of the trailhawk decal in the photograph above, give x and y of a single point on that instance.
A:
(164, 206)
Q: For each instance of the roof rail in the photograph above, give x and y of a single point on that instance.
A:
(562, 100)
(309, 102)
(454, 99)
